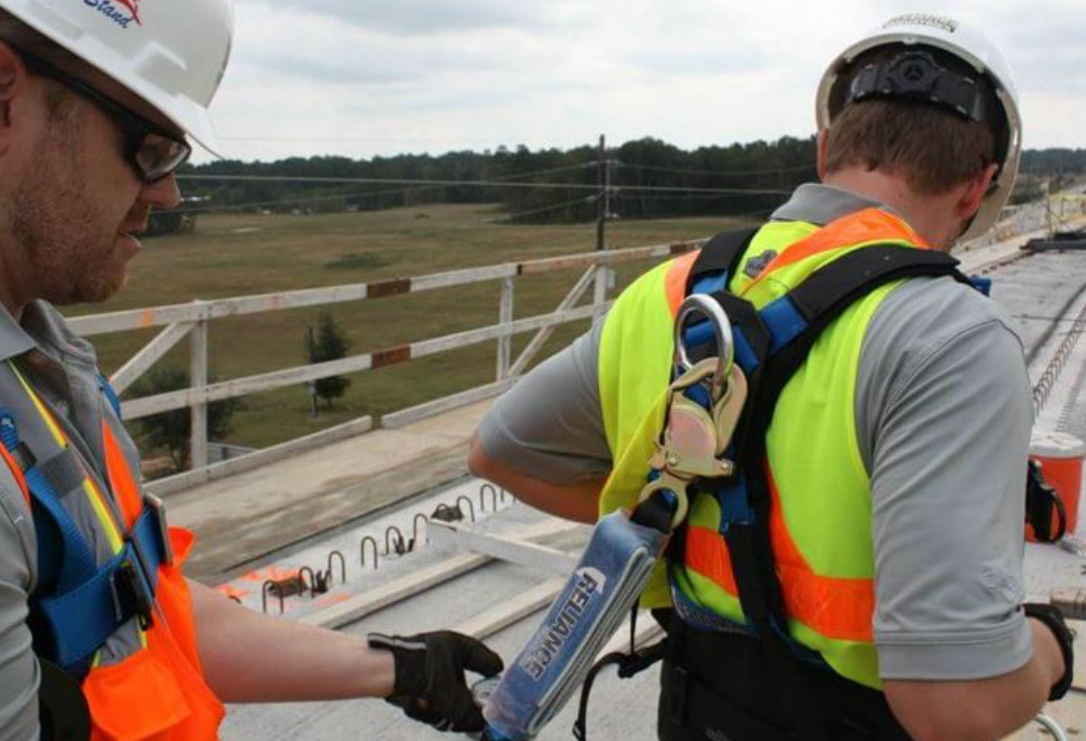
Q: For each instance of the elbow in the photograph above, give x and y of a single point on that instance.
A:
(482, 465)
(478, 462)
(948, 711)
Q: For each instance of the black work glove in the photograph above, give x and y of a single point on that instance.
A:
(430, 685)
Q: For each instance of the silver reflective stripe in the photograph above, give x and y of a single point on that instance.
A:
(63, 472)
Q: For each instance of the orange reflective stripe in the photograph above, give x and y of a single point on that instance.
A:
(17, 473)
(869, 225)
(675, 280)
(121, 481)
(835, 607)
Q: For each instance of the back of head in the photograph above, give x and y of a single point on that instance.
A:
(170, 53)
(928, 100)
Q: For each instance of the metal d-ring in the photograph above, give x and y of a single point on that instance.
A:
(700, 303)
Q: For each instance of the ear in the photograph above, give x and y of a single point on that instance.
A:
(973, 192)
(823, 152)
(13, 83)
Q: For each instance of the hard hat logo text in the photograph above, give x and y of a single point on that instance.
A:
(549, 645)
(121, 12)
(923, 19)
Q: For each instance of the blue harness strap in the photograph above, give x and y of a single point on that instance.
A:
(78, 604)
(111, 394)
(79, 621)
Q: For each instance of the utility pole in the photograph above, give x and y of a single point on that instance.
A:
(603, 200)
(603, 203)
(1049, 231)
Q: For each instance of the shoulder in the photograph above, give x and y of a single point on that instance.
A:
(925, 338)
(18, 541)
(926, 317)
(47, 325)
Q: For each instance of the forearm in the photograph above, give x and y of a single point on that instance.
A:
(979, 710)
(244, 655)
(578, 501)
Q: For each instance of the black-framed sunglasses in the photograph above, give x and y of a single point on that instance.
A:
(151, 150)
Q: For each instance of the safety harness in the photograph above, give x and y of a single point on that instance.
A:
(78, 605)
(809, 700)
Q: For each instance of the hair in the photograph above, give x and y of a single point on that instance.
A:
(26, 39)
(931, 148)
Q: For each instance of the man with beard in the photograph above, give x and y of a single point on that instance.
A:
(98, 626)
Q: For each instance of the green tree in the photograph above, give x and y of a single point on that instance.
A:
(328, 343)
(172, 431)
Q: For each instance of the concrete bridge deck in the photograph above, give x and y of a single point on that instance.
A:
(242, 518)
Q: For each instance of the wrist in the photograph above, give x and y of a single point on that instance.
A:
(380, 671)
(1047, 649)
(1057, 637)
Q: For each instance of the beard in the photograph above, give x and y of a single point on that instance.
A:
(70, 246)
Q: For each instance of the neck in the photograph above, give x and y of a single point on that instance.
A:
(16, 286)
(927, 215)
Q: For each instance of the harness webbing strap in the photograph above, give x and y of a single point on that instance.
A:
(78, 604)
(834, 287)
(79, 621)
(791, 326)
(65, 559)
(721, 254)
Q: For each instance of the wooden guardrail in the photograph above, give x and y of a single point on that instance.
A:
(191, 320)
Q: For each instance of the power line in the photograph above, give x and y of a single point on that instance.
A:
(470, 183)
(546, 209)
(310, 199)
(695, 196)
(371, 193)
(736, 173)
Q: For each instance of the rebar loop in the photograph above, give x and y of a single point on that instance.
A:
(493, 497)
(400, 542)
(415, 530)
(342, 567)
(362, 551)
(471, 505)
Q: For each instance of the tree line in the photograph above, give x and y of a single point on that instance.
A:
(649, 178)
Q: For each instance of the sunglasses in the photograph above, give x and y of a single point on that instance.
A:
(151, 150)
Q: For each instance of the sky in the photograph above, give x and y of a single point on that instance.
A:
(363, 78)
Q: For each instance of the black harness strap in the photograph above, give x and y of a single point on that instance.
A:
(820, 299)
(721, 254)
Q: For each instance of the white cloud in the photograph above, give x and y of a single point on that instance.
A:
(360, 78)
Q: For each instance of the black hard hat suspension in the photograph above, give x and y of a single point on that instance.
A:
(916, 75)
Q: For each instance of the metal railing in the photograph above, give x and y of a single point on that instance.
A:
(192, 320)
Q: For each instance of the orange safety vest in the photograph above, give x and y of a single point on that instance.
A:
(153, 687)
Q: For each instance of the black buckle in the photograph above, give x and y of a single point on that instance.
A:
(1043, 505)
(132, 593)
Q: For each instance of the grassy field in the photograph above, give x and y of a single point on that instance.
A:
(248, 254)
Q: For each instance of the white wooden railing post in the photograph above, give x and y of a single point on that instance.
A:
(199, 379)
(599, 298)
(505, 317)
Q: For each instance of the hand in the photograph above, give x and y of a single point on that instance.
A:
(430, 685)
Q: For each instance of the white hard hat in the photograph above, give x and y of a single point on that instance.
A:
(171, 53)
(971, 46)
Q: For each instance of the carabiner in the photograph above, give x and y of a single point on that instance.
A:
(703, 304)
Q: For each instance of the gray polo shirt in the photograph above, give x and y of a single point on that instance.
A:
(63, 370)
(943, 416)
